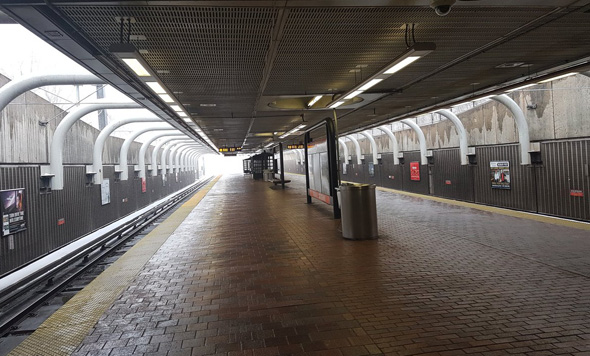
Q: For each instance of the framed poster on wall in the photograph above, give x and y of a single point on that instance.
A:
(500, 174)
(415, 171)
(371, 169)
(105, 191)
(12, 210)
(143, 185)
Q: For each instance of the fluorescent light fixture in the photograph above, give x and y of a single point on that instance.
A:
(314, 100)
(167, 98)
(136, 67)
(522, 87)
(300, 126)
(336, 104)
(182, 114)
(370, 84)
(558, 77)
(402, 64)
(187, 120)
(353, 94)
(176, 108)
(284, 135)
(156, 87)
(412, 54)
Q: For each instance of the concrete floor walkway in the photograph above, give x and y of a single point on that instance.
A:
(256, 271)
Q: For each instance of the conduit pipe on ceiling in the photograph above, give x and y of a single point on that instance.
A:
(369, 137)
(421, 139)
(97, 164)
(521, 125)
(357, 148)
(462, 134)
(16, 87)
(57, 144)
(393, 140)
(123, 163)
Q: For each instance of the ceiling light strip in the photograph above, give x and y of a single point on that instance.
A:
(411, 55)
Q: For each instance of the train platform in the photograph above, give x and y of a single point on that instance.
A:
(247, 268)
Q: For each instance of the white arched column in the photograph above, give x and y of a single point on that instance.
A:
(393, 141)
(462, 134)
(345, 149)
(369, 137)
(357, 149)
(144, 148)
(14, 88)
(179, 163)
(157, 150)
(59, 136)
(101, 139)
(521, 125)
(421, 139)
(127, 144)
(171, 160)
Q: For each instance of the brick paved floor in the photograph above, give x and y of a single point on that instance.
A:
(256, 271)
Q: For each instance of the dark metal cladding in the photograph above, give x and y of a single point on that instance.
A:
(421, 186)
(79, 205)
(563, 179)
(449, 178)
(392, 175)
(521, 194)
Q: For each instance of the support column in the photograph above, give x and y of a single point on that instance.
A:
(394, 145)
(59, 136)
(373, 146)
(127, 144)
(282, 165)
(521, 124)
(306, 142)
(462, 134)
(357, 149)
(421, 138)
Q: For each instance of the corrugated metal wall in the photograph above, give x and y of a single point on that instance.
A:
(78, 205)
(421, 186)
(522, 192)
(559, 186)
(449, 178)
(561, 177)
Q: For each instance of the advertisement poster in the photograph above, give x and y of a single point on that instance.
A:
(105, 191)
(415, 171)
(343, 168)
(143, 185)
(500, 174)
(13, 211)
(371, 169)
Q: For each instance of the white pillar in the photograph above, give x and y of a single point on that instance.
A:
(521, 124)
(394, 145)
(462, 134)
(345, 149)
(369, 137)
(127, 144)
(357, 148)
(421, 138)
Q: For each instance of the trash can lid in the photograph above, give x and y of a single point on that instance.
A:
(356, 186)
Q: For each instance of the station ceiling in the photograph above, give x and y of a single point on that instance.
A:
(245, 70)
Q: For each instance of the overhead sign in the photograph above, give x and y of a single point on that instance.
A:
(415, 171)
(296, 147)
(12, 209)
(500, 174)
(230, 149)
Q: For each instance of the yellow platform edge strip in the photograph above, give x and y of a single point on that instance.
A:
(492, 209)
(64, 331)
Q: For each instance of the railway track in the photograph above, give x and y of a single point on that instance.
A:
(26, 305)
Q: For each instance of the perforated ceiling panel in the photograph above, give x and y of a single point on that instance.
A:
(229, 61)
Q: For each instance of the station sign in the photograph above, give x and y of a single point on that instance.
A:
(296, 147)
(230, 149)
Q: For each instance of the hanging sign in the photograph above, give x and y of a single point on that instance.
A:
(12, 210)
(415, 171)
(500, 174)
(295, 147)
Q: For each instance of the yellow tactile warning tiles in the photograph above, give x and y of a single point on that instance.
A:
(254, 270)
(514, 213)
(61, 334)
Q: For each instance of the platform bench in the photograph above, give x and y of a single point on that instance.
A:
(278, 181)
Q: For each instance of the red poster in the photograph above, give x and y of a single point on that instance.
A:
(143, 187)
(415, 171)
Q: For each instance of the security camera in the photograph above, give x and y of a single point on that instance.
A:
(442, 7)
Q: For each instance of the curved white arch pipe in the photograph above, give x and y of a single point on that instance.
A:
(462, 134)
(357, 148)
(521, 124)
(127, 144)
(373, 145)
(421, 139)
(394, 145)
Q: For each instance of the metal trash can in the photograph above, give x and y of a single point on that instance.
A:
(359, 211)
(268, 175)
